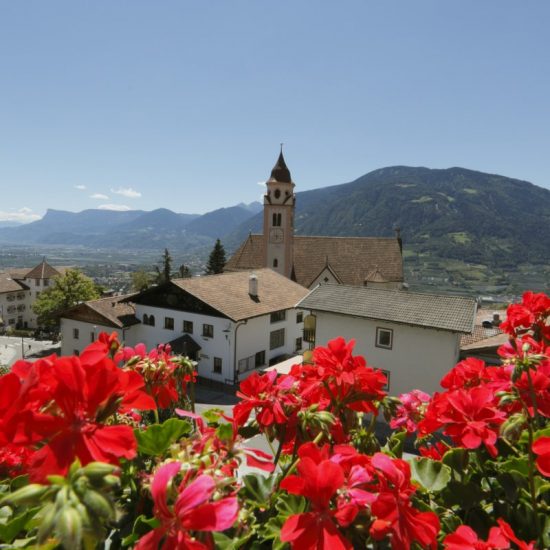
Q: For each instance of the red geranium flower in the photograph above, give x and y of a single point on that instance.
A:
(193, 510)
(393, 509)
(541, 447)
(318, 481)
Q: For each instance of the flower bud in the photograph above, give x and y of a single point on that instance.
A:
(96, 470)
(47, 522)
(69, 527)
(26, 495)
(98, 505)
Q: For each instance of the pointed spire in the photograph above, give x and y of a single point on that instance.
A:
(280, 171)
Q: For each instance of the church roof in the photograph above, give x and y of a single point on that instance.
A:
(442, 312)
(42, 271)
(351, 258)
(280, 172)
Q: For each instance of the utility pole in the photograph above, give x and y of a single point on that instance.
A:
(22, 348)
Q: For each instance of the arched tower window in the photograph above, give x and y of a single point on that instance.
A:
(275, 262)
(145, 319)
(277, 218)
(152, 320)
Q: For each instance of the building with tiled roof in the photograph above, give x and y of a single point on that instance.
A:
(414, 337)
(485, 338)
(231, 323)
(81, 324)
(19, 289)
(310, 260)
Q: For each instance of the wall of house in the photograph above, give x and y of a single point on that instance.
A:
(320, 279)
(218, 346)
(70, 344)
(419, 357)
(16, 309)
(254, 337)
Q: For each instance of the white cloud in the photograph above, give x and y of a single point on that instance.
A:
(117, 207)
(127, 192)
(99, 196)
(261, 183)
(23, 215)
(80, 187)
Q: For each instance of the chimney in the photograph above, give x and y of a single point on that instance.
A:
(253, 286)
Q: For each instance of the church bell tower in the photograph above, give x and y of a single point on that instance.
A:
(279, 202)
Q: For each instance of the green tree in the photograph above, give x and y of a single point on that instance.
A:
(184, 272)
(67, 291)
(216, 261)
(164, 273)
(141, 280)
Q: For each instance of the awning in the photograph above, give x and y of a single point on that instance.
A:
(185, 345)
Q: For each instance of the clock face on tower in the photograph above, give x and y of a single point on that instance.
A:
(276, 235)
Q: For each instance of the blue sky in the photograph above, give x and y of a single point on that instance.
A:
(183, 104)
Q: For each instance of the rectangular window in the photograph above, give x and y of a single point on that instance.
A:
(384, 338)
(169, 323)
(300, 317)
(75, 333)
(277, 338)
(259, 359)
(76, 352)
(218, 365)
(37, 282)
(298, 344)
(92, 337)
(208, 331)
(277, 316)
(46, 282)
(188, 327)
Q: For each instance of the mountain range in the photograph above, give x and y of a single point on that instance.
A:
(448, 213)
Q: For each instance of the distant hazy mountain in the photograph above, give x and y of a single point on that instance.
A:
(215, 224)
(452, 213)
(455, 213)
(130, 229)
(9, 224)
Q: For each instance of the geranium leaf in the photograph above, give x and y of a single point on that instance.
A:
(457, 459)
(520, 465)
(225, 432)
(157, 438)
(10, 529)
(396, 443)
(258, 488)
(431, 474)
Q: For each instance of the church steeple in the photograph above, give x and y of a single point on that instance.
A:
(280, 172)
(279, 202)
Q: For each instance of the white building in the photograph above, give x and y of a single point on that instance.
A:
(413, 337)
(19, 290)
(231, 324)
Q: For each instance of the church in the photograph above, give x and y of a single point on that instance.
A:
(312, 260)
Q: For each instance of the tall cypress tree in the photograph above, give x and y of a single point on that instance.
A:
(216, 261)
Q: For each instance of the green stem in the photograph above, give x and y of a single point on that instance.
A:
(533, 397)
(192, 395)
(156, 414)
(532, 491)
(281, 441)
(294, 465)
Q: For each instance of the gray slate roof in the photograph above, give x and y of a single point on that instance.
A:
(452, 313)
